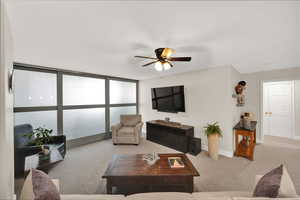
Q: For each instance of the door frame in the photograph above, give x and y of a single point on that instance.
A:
(6, 107)
(261, 107)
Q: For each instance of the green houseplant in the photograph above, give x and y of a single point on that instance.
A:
(40, 137)
(213, 133)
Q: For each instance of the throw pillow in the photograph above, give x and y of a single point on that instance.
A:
(287, 187)
(269, 184)
(39, 186)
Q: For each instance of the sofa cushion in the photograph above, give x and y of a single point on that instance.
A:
(91, 197)
(130, 120)
(287, 188)
(269, 184)
(227, 194)
(161, 196)
(126, 131)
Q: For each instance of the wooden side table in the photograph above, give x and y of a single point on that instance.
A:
(245, 147)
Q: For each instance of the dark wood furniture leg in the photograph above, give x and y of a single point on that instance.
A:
(236, 142)
(108, 186)
(190, 185)
(252, 145)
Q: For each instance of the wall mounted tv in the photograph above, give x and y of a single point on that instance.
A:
(168, 99)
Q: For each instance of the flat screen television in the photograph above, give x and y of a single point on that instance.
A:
(168, 99)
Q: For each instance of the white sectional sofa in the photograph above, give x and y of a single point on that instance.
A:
(162, 196)
(229, 195)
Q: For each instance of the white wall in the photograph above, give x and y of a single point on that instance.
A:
(254, 91)
(208, 98)
(6, 111)
(297, 108)
(236, 111)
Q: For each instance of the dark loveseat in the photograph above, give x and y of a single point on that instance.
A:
(23, 149)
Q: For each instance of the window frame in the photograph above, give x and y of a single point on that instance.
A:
(60, 107)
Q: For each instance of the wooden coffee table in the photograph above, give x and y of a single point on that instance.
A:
(126, 170)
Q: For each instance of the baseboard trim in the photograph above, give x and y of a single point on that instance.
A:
(87, 140)
(222, 152)
(259, 141)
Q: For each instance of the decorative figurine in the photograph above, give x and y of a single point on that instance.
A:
(239, 89)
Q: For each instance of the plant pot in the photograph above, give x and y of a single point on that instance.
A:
(213, 146)
(45, 153)
(43, 157)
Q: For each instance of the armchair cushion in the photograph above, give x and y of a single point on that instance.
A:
(130, 120)
(126, 131)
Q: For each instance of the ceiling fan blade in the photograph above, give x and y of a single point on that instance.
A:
(167, 52)
(150, 63)
(184, 59)
(170, 64)
(146, 57)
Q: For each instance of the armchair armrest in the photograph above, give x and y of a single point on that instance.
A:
(116, 127)
(29, 150)
(138, 127)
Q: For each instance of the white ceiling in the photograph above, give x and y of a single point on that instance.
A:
(102, 37)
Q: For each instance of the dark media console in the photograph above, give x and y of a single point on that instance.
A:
(172, 134)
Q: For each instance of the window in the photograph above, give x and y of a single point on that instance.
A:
(122, 92)
(35, 89)
(71, 103)
(36, 99)
(83, 90)
(123, 99)
(115, 113)
(45, 119)
(84, 122)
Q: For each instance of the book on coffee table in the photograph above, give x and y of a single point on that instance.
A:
(176, 162)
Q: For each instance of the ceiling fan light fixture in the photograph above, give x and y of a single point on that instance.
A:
(166, 66)
(163, 60)
(158, 66)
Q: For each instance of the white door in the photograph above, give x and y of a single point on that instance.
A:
(278, 109)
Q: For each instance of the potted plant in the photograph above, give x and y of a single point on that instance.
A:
(40, 137)
(213, 132)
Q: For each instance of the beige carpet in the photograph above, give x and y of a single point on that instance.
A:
(81, 171)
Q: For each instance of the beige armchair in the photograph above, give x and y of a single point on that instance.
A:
(128, 131)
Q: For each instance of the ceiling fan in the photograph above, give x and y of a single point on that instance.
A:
(163, 59)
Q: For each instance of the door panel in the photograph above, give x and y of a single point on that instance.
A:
(278, 109)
